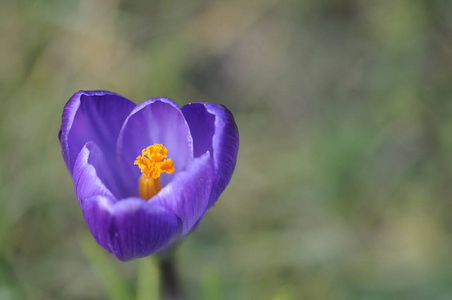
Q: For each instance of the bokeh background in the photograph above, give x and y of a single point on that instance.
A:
(343, 183)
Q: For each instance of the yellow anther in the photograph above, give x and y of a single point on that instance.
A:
(152, 163)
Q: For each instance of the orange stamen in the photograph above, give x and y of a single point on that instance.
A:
(152, 163)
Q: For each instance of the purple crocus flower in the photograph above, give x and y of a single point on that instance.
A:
(145, 174)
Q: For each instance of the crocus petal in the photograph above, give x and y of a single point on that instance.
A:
(130, 228)
(213, 129)
(92, 174)
(86, 181)
(92, 116)
(155, 121)
(187, 195)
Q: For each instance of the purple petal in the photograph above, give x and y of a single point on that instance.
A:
(93, 174)
(187, 195)
(213, 129)
(130, 228)
(155, 121)
(92, 116)
(86, 180)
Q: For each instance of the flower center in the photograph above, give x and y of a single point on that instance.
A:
(152, 163)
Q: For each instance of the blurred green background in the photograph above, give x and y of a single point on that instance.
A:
(343, 183)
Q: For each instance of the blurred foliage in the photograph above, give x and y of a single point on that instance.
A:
(344, 179)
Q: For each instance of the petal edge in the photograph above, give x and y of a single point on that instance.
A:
(219, 135)
(130, 228)
(91, 116)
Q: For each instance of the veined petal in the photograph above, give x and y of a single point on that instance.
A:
(130, 228)
(92, 116)
(155, 121)
(213, 129)
(85, 176)
(188, 193)
(93, 174)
